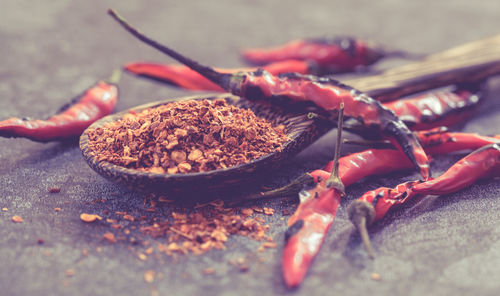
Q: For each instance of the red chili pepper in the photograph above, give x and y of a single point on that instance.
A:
(325, 93)
(182, 76)
(71, 120)
(333, 55)
(441, 108)
(374, 205)
(314, 216)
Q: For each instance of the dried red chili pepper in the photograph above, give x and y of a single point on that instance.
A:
(325, 93)
(440, 108)
(374, 205)
(333, 55)
(317, 209)
(314, 216)
(182, 76)
(71, 120)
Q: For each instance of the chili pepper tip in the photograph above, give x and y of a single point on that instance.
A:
(362, 213)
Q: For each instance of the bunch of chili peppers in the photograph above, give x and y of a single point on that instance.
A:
(400, 149)
(283, 76)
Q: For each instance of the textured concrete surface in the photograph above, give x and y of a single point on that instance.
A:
(52, 50)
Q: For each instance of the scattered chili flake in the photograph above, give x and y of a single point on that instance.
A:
(109, 220)
(186, 136)
(89, 217)
(208, 271)
(247, 212)
(267, 245)
(285, 212)
(40, 241)
(17, 219)
(268, 211)
(110, 237)
(54, 189)
(70, 272)
(57, 209)
(375, 276)
(149, 276)
(129, 217)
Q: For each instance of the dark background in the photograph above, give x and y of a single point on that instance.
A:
(52, 50)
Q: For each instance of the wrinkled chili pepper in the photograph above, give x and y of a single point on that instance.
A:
(332, 55)
(182, 76)
(319, 205)
(325, 93)
(71, 119)
(440, 108)
(374, 205)
(315, 213)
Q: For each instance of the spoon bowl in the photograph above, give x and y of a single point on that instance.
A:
(301, 130)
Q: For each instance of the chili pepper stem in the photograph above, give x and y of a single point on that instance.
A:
(290, 189)
(362, 213)
(221, 79)
(334, 180)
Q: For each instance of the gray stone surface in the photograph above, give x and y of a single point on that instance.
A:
(52, 50)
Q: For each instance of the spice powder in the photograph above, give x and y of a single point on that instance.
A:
(186, 136)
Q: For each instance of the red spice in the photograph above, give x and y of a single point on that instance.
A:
(54, 190)
(186, 136)
(109, 237)
(17, 219)
(89, 217)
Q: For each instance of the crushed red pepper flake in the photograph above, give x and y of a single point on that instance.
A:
(54, 190)
(110, 237)
(209, 271)
(268, 211)
(186, 136)
(57, 209)
(149, 276)
(17, 219)
(89, 217)
(375, 276)
(129, 217)
(207, 228)
(70, 272)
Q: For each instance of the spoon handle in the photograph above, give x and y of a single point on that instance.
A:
(470, 62)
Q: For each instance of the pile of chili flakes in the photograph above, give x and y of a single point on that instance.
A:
(186, 136)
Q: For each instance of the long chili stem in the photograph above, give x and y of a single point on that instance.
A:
(334, 179)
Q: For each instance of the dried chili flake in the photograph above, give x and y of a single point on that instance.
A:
(54, 190)
(375, 276)
(70, 272)
(40, 241)
(149, 276)
(89, 217)
(129, 218)
(268, 211)
(186, 136)
(110, 237)
(208, 271)
(57, 209)
(17, 219)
